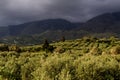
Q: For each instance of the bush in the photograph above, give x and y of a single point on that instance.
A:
(39, 65)
(3, 47)
(115, 50)
(54, 68)
(97, 68)
(59, 50)
(46, 47)
(14, 48)
(95, 51)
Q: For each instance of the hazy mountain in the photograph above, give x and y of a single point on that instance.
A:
(103, 25)
(4, 31)
(109, 22)
(38, 27)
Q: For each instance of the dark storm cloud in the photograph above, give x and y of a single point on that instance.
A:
(19, 11)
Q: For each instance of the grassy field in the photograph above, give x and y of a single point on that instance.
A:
(81, 59)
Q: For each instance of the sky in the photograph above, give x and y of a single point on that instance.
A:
(21, 11)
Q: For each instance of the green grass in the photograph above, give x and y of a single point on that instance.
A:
(82, 59)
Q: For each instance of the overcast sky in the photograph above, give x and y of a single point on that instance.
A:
(20, 11)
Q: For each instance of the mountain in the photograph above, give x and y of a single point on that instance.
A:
(4, 31)
(38, 27)
(108, 22)
(103, 25)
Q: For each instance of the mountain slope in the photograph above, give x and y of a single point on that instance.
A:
(4, 31)
(38, 27)
(108, 22)
(104, 25)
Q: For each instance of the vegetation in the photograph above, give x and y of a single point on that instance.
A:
(63, 39)
(46, 47)
(81, 59)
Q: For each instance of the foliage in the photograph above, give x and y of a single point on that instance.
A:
(46, 47)
(3, 47)
(81, 59)
(63, 39)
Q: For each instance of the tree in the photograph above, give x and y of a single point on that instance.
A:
(63, 39)
(46, 47)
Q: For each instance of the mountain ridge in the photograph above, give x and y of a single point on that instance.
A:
(104, 25)
(37, 27)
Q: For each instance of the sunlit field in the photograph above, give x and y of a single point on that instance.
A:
(80, 59)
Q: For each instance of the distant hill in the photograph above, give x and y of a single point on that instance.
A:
(108, 22)
(4, 31)
(38, 27)
(103, 25)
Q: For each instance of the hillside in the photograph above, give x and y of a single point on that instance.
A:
(108, 22)
(104, 25)
(4, 31)
(38, 27)
(85, 58)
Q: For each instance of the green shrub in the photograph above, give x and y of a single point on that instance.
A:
(14, 48)
(3, 47)
(54, 68)
(97, 68)
(115, 50)
(59, 50)
(75, 64)
(95, 51)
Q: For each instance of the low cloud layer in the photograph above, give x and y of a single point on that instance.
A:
(20, 11)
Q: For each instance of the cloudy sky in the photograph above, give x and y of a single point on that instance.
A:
(20, 11)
